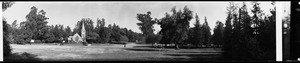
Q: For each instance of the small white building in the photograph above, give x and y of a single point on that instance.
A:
(76, 38)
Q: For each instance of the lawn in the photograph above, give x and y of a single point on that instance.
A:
(117, 52)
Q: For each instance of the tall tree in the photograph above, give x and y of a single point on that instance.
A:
(267, 38)
(218, 36)
(146, 24)
(250, 37)
(256, 18)
(206, 32)
(104, 32)
(58, 32)
(115, 35)
(6, 46)
(68, 31)
(36, 22)
(166, 29)
(197, 30)
(228, 31)
(177, 28)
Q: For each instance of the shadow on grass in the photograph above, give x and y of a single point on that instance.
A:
(171, 47)
(24, 57)
(201, 57)
(134, 49)
(202, 52)
(212, 58)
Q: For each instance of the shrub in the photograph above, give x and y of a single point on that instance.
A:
(38, 41)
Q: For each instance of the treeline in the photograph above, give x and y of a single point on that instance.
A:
(35, 27)
(104, 34)
(250, 36)
(246, 35)
(175, 29)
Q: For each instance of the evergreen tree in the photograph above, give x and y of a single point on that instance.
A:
(218, 36)
(196, 36)
(206, 32)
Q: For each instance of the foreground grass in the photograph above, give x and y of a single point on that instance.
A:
(117, 52)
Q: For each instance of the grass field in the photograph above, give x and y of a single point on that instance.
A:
(117, 52)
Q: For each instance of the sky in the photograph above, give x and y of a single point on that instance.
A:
(121, 13)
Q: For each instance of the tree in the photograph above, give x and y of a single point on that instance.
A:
(91, 37)
(68, 31)
(196, 32)
(250, 37)
(166, 29)
(176, 26)
(6, 4)
(6, 46)
(115, 35)
(14, 32)
(146, 25)
(58, 32)
(24, 33)
(154, 38)
(103, 32)
(239, 45)
(123, 38)
(132, 36)
(50, 37)
(256, 18)
(218, 36)
(228, 31)
(36, 22)
(267, 36)
(206, 32)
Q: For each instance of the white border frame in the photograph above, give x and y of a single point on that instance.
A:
(279, 14)
(1, 38)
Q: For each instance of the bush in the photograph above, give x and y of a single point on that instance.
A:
(85, 43)
(91, 41)
(38, 41)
